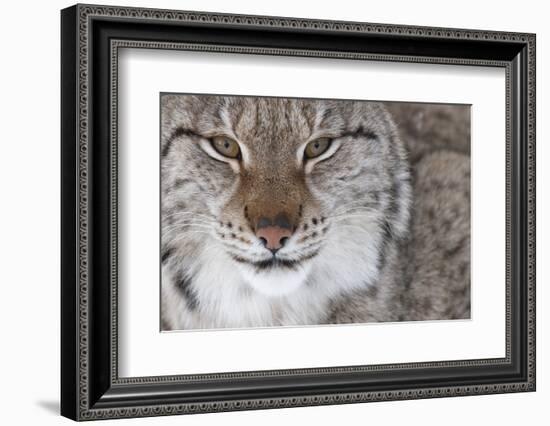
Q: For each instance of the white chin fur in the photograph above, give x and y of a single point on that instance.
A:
(277, 281)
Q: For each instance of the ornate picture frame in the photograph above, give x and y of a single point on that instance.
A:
(91, 37)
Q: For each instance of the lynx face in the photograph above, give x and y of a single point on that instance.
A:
(283, 189)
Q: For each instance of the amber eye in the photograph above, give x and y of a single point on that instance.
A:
(226, 146)
(317, 147)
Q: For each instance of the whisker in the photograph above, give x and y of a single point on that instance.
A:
(229, 243)
(184, 235)
(189, 221)
(359, 208)
(310, 245)
(353, 204)
(186, 213)
(181, 226)
(349, 216)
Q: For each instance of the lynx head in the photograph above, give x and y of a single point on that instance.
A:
(282, 186)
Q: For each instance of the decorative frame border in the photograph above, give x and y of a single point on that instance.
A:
(118, 44)
(84, 408)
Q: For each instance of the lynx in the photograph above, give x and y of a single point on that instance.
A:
(281, 212)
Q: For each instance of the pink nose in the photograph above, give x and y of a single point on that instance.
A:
(273, 237)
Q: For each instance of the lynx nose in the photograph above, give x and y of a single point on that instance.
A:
(273, 233)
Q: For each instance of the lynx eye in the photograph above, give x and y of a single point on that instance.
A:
(226, 146)
(317, 147)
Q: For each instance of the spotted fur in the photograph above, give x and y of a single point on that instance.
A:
(350, 257)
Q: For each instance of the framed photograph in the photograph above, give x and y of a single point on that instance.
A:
(263, 212)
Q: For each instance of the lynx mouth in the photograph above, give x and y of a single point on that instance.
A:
(275, 262)
(275, 277)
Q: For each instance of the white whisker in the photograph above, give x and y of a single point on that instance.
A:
(186, 213)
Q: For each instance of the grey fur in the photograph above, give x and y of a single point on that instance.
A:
(418, 264)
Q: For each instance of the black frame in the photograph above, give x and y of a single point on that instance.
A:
(90, 37)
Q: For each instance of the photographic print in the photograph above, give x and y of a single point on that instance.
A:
(292, 212)
(269, 184)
